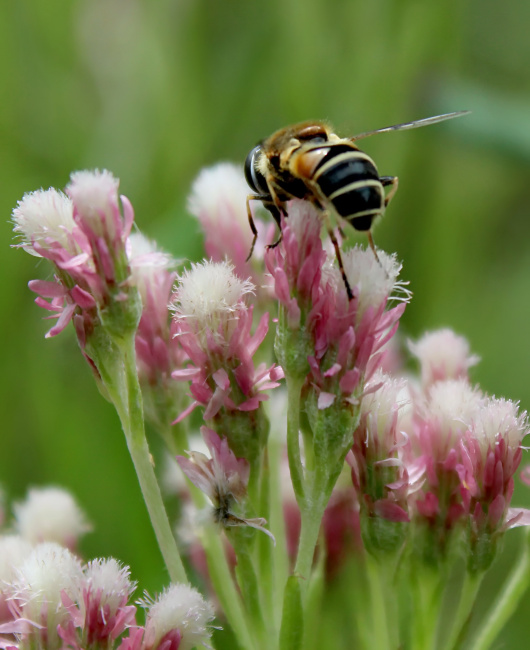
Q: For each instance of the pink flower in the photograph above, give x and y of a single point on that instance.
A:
(491, 451)
(218, 200)
(342, 340)
(98, 609)
(442, 355)
(379, 475)
(213, 324)
(84, 237)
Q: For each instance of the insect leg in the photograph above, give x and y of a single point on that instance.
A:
(252, 197)
(393, 181)
(338, 254)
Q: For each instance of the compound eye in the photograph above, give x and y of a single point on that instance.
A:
(254, 178)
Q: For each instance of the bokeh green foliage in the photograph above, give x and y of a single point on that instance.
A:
(155, 90)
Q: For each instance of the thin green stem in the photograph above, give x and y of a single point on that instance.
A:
(463, 609)
(294, 386)
(507, 602)
(311, 514)
(131, 416)
(380, 631)
(226, 591)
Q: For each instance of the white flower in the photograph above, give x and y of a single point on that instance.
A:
(442, 355)
(50, 514)
(40, 580)
(182, 608)
(208, 294)
(42, 216)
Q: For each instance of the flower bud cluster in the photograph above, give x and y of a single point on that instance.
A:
(441, 454)
(339, 342)
(57, 602)
(83, 233)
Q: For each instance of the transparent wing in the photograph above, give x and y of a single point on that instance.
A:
(412, 125)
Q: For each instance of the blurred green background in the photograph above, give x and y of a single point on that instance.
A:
(155, 90)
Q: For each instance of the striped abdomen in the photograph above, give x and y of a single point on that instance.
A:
(348, 179)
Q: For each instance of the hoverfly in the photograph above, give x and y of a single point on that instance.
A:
(308, 161)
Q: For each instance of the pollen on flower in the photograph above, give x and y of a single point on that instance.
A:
(209, 290)
(499, 418)
(182, 608)
(50, 514)
(42, 215)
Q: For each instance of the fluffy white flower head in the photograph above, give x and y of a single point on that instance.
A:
(209, 293)
(48, 570)
(44, 216)
(93, 192)
(218, 195)
(500, 418)
(453, 404)
(372, 280)
(179, 607)
(442, 355)
(111, 579)
(50, 514)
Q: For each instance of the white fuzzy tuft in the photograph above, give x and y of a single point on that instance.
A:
(218, 195)
(183, 608)
(500, 418)
(111, 578)
(373, 280)
(50, 514)
(209, 291)
(44, 215)
(454, 404)
(442, 355)
(46, 572)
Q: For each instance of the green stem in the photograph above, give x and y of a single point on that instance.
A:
(506, 604)
(225, 589)
(294, 386)
(468, 595)
(426, 591)
(311, 514)
(381, 637)
(131, 416)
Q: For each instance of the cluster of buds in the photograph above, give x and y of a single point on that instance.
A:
(57, 602)
(213, 323)
(440, 455)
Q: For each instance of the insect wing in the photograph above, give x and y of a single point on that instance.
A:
(412, 125)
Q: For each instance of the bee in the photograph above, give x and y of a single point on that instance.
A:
(308, 161)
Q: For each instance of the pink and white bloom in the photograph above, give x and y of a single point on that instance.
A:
(178, 619)
(345, 339)
(83, 235)
(98, 608)
(218, 200)
(442, 355)
(213, 323)
(36, 593)
(380, 476)
(152, 272)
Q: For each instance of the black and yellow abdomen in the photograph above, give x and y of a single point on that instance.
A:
(348, 179)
